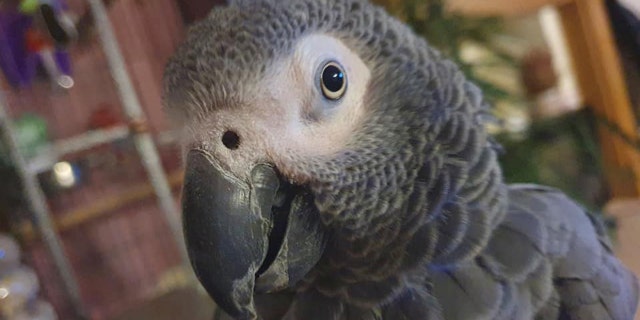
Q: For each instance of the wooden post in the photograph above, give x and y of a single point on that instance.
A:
(599, 73)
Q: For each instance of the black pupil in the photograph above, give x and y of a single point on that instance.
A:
(231, 140)
(333, 78)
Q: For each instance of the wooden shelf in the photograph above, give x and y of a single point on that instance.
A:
(501, 7)
(101, 207)
(48, 155)
(504, 8)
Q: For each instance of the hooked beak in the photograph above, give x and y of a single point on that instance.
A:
(246, 236)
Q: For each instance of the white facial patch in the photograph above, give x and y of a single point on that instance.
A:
(274, 124)
(296, 91)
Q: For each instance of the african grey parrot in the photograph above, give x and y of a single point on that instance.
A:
(337, 167)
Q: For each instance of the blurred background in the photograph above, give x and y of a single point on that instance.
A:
(90, 167)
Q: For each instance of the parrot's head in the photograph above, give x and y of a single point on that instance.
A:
(320, 137)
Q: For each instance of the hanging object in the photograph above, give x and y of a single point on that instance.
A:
(66, 175)
(33, 133)
(52, 17)
(104, 117)
(9, 254)
(17, 67)
(35, 34)
(63, 175)
(114, 154)
(17, 289)
(40, 310)
(541, 84)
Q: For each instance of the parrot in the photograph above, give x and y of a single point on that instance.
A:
(336, 166)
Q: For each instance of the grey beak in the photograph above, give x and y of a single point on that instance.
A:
(227, 224)
(247, 237)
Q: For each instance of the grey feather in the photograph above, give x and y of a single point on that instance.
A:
(414, 303)
(422, 224)
(315, 306)
(590, 282)
(467, 291)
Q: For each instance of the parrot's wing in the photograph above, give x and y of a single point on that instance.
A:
(588, 281)
(548, 259)
(511, 278)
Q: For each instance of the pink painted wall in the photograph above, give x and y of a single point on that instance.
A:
(148, 32)
(118, 258)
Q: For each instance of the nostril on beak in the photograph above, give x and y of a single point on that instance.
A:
(231, 140)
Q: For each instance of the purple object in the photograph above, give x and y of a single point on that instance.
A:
(18, 65)
(14, 59)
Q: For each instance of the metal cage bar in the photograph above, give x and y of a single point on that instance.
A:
(37, 202)
(133, 110)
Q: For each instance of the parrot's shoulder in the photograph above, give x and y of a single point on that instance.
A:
(590, 282)
(558, 220)
(547, 257)
(532, 242)
(561, 230)
(512, 276)
(538, 226)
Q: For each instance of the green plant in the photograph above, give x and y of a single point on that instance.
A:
(449, 32)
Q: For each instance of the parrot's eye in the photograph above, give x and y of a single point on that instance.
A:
(333, 81)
